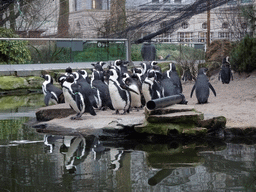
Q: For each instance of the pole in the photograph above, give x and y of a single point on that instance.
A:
(208, 40)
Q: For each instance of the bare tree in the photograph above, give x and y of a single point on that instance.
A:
(233, 22)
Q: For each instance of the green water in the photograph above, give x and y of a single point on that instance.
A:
(30, 161)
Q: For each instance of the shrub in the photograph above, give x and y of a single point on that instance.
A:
(13, 52)
(242, 57)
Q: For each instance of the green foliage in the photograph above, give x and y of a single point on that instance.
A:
(93, 53)
(49, 53)
(242, 57)
(13, 52)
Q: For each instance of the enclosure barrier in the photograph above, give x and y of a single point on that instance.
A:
(165, 101)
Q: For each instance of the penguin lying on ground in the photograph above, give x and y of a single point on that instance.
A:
(202, 86)
(51, 92)
(76, 97)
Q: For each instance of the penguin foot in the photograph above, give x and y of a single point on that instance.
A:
(77, 117)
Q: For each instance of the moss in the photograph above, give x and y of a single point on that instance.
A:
(12, 82)
(8, 83)
(164, 128)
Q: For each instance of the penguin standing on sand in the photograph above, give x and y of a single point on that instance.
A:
(51, 92)
(202, 86)
(225, 74)
(76, 97)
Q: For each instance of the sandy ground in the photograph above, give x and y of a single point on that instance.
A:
(236, 101)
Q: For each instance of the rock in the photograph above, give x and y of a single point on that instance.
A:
(54, 111)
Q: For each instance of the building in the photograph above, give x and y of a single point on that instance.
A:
(88, 17)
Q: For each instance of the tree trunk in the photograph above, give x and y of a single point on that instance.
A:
(118, 15)
(63, 24)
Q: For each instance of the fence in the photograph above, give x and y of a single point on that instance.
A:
(63, 50)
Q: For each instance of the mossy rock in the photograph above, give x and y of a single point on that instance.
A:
(172, 129)
(12, 82)
(35, 82)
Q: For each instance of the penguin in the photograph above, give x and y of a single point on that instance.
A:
(121, 66)
(76, 98)
(51, 92)
(225, 74)
(135, 98)
(174, 77)
(202, 86)
(151, 88)
(84, 75)
(93, 94)
(120, 97)
(96, 82)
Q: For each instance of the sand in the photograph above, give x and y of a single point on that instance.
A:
(236, 101)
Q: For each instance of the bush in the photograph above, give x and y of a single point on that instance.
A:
(242, 57)
(13, 52)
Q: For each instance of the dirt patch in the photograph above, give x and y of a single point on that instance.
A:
(235, 101)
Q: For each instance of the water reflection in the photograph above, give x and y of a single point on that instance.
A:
(77, 163)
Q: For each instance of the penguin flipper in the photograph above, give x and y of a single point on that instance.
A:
(47, 98)
(211, 87)
(192, 91)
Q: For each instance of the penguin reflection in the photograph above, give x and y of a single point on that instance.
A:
(77, 149)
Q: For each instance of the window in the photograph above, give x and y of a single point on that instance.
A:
(185, 36)
(223, 35)
(204, 25)
(177, 1)
(225, 25)
(202, 36)
(166, 1)
(78, 5)
(97, 4)
(232, 2)
(184, 25)
(246, 1)
(155, 1)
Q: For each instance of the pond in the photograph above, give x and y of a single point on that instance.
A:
(32, 161)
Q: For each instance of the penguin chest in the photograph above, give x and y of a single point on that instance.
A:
(118, 97)
(135, 98)
(146, 91)
(70, 99)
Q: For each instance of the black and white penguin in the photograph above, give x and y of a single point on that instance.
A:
(51, 92)
(76, 98)
(96, 81)
(93, 94)
(120, 97)
(174, 77)
(151, 88)
(84, 75)
(225, 74)
(121, 66)
(135, 98)
(202, 86)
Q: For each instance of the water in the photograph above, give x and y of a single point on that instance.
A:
(30, 161)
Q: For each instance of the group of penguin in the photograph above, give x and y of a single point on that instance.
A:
(119, 88)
